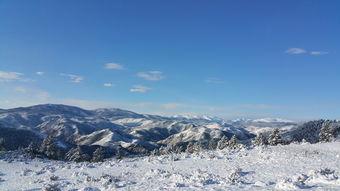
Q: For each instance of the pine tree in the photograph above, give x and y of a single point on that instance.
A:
(325, 132)
(77, 155)
(198, 146)
(212, 145)
(233, 143)
(49, 148)
(223, 143)
(275, 138)
(98, 155)
(2, 145)
(190, 147)
(32, 150)
(259, 140)
(118, 155)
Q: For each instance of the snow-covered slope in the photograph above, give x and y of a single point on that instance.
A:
(265, 125)
(290, 167)
(115, 127)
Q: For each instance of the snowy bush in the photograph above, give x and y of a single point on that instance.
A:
(52, 187)
(54, 178)
(323, 175)
(287, 184)
(234, 176)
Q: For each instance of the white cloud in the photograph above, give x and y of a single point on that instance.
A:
(20, 89)
(318, 53)
(40, 73)
(114, 66)
(296, 51)
(151, 75)
(172, 105)
(73, 78)
(10, 76)
(212, 80)
(139, 88)
(43, 96)
(109, 85)
(158, 106)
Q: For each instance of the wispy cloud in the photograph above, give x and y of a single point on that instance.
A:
(162, 106)
(20, 89)
(213, 80)
(43, 96)
(114, 66)
(40, 73)
(109, 85)
(73, 78)
(139, 88)
(296, 51)
(318, 52)
(172, 105)
(11, 76)
(151, 75)
(261, 106)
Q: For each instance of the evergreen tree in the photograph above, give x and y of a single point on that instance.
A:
(190, 147)
(223, 143)
(2, 144)
(198, 146)
(233, 143)
(32, 150)
(275, 138)
(49, 148)
(155, 152)
(325, 132)
(259, 140)
(212, 145)
(118, 155)
(98, 155)
(77, 155)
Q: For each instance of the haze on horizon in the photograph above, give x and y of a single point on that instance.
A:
(223, 58)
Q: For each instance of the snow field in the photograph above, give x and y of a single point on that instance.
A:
(290, 167)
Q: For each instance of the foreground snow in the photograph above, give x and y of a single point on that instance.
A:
(292, 167)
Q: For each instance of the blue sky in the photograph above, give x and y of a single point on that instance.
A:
(226, 58)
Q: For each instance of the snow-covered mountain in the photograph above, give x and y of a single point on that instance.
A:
(113, 127)
(264, 125)
(117, 128)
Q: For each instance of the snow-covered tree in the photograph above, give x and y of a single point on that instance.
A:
(233, 143)
(274, 137)
(118, 155)
(212, 145)
(190, 147)
(2, 145)
(259, 140)
(32, 150)
(326, 133)
(155, 152)
(49, 148)
(198, 146)
(223, 143)
(77, 155)
(98, 155)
